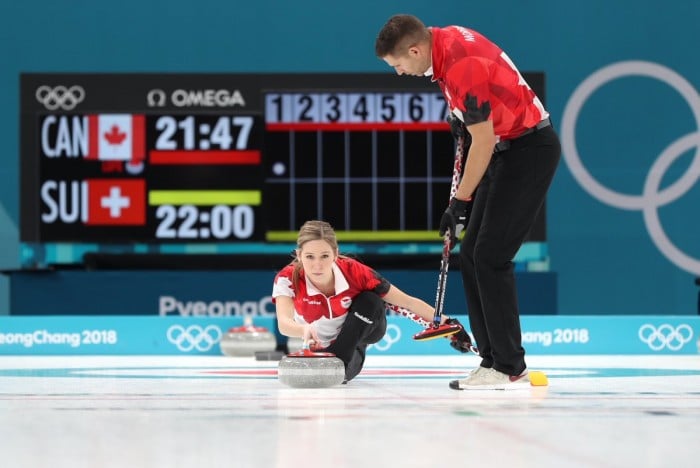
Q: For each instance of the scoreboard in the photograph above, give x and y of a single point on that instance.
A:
(120, 177)
(233, 158)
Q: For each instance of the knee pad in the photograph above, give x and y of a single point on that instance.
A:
(377, 333)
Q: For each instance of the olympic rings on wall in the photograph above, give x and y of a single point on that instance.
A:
(652, 197)
(194, 337)
(665, 336)
(392, 335)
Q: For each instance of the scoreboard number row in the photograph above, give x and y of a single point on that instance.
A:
(355, 108)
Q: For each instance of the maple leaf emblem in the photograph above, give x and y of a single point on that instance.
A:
(114, 136)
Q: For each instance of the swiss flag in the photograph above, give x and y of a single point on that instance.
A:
(115, 201)
(116, 137)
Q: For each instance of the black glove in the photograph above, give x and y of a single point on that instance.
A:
(457, 127)
(455, 218)
(461, 341)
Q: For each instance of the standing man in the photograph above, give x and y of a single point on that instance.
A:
(512, 159)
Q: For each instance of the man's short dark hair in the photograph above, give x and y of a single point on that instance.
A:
(398, 34)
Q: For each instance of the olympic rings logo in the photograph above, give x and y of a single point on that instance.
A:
(665, 336)
(194, 337)
(652, 197)
(392, 335)
(60, 97)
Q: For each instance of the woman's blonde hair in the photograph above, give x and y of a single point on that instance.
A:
(311, 231)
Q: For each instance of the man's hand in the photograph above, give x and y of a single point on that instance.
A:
(458, 129)
(455, 219)
(461, 341)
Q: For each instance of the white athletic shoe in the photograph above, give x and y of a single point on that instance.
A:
(456, 384)
(491, 379)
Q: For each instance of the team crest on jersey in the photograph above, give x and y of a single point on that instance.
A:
(345, 302)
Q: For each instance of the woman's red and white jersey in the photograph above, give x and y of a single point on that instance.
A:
(328, 313)
(480, 82)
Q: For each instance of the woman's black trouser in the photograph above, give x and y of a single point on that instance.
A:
(364, 325)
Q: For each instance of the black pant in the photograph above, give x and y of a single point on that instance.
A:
(506, 204)
(364, 325)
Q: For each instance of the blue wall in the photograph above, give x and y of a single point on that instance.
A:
(219, 293)
(605, 256)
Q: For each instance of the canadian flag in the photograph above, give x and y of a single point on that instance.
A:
(116, 137)
(114, 201)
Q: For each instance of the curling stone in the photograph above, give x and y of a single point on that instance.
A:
(308, 369)
(247, 339)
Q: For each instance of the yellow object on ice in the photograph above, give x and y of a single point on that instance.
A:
(538, 379)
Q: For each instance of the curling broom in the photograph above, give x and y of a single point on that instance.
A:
(435, 330)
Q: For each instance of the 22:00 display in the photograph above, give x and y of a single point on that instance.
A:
(195, 222)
